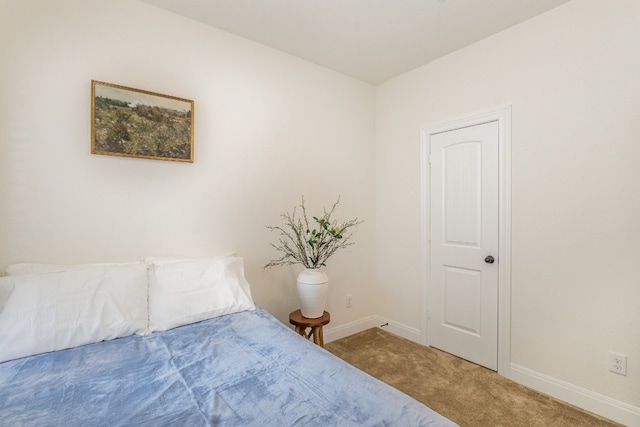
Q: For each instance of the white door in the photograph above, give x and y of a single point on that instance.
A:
(464, 235)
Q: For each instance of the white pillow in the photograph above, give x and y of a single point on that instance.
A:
(187, 291)
(168, 260)
(53, 311)
(23, 268)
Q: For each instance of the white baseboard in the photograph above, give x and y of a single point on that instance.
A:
(337, 332)
(402, 330)
(588, 400)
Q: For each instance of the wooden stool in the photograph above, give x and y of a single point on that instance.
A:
(302, 323)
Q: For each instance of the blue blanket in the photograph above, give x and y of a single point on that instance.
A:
(243, 369)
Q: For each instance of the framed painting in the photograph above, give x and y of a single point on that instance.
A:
(137, 123)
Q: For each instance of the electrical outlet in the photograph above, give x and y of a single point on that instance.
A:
(349, 301)
(618, 363)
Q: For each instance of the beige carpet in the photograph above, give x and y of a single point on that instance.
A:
(468, 394)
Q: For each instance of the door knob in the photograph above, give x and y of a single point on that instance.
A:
(489, 259)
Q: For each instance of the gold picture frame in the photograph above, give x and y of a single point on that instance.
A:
(132, 122)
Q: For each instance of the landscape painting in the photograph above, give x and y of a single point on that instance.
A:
(137, 123)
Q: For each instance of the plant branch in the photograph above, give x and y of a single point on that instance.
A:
(311, 247)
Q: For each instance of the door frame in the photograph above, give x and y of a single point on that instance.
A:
(503, 116)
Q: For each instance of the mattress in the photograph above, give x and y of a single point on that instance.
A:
(242, 369)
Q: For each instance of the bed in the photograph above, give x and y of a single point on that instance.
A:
(181, 361)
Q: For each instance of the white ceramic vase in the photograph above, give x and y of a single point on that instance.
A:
(312, 291)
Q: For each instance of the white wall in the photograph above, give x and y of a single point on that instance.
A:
(269, 128)
(572, 78)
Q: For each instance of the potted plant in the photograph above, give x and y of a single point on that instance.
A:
(311, 244)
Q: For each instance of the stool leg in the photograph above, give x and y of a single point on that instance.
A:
(317, 336)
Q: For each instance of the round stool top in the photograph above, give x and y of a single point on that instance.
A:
(296, 318)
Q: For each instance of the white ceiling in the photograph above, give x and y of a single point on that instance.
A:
(372, 40)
